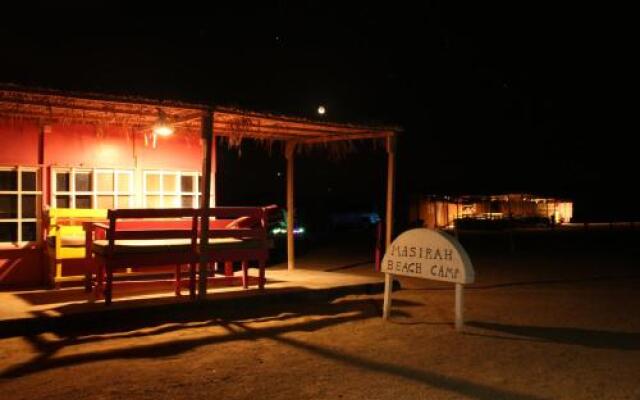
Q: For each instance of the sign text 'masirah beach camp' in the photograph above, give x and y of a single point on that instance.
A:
(428, 254)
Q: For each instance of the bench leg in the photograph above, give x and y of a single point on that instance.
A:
(87, 282)
(178, 279)
(261, 277)
(192, 281)
(52, 272)
(90, 268)
(245, 274)
(98, 290)
(228, 268)
(108, 291)
(58, 275)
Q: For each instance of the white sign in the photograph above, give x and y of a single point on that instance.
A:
(428, 254)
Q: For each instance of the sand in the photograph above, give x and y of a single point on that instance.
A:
(557, 319)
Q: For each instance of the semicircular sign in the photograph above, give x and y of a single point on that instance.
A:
(428, 254)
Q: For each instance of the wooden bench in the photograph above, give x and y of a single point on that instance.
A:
(66, 243)
(159, 237)
(247, 227)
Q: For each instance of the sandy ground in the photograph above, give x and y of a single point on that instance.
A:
(556, 319)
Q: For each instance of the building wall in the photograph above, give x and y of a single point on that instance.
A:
(438, 213)
(27, 144)
(19, 142)
(520, 206)
(565, 211)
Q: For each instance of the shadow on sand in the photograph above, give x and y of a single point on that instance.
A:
(235, 323)
(576, 336)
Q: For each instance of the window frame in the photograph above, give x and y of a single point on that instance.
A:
(115, 193)
(19, 220)
(195, 193)
(72, 193)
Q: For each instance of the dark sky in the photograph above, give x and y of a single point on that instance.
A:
(493, 97)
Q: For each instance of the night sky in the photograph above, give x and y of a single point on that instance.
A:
(493, 98)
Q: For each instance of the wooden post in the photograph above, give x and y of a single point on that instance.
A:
(214, 169)
(391, 166)
(207, 141)
(459, 306)
(378, 250)
(290, 155)
(391, 170)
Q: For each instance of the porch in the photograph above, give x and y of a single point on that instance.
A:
(26, 309)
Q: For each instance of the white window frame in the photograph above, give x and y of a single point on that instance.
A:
(178, 193)
(94, 192)
(115, 193)
(19, 193)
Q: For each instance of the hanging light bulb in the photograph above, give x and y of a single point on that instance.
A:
(161, 127)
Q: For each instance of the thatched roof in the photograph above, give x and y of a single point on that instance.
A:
(51, 106)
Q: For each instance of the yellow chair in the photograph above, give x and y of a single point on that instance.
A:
(66, 241)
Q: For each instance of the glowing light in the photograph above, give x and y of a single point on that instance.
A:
(162, 129)
(107, 152)
(321, 110)
(283, 231)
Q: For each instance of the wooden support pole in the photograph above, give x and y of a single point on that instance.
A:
(214, 170)
(212, 267)
(207, 142)
(290, 155)
(391, 166)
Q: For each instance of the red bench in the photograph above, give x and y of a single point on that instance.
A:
(160, 237)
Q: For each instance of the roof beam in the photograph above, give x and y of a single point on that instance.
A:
(320, 140)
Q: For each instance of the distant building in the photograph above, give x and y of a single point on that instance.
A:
(442, 211)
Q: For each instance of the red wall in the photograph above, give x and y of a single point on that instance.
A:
(18, 143)
(82, 146)
(86, 146)
(179, 151)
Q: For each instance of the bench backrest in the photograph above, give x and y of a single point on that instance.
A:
(151, 224)
(179, 223)
(239, 222)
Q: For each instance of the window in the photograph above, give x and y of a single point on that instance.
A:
(114, 189)
(171, 189)
(92, 188)
(20, 199)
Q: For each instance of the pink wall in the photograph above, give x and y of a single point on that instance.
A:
(86, 146)
(182, 150)
(19, 143)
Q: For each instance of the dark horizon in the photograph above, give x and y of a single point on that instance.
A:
(492, 98)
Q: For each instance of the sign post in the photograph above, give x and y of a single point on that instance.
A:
(428, 254)
(459, 306)
(388, 286)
